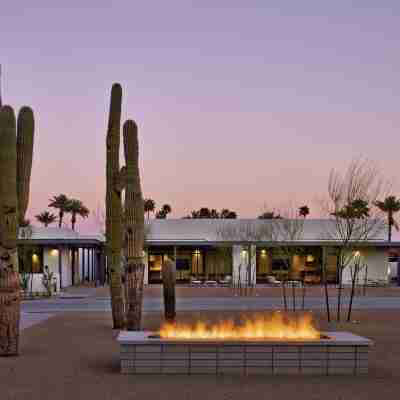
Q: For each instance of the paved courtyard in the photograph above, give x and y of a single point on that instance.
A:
(75, 356)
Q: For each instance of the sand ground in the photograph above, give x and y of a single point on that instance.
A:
(75, 356)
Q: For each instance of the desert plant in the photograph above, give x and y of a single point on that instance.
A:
(76, 208)
(60, 203)
(149, 206)
(48, 279)
(114, 207)
(46, 218)
(304, 211)
(24, 278)
(169, 279)
(16, 149)
(134, 228)
(163, 212)
(390, 206)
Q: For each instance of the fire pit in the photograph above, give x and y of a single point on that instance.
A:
(268, 345)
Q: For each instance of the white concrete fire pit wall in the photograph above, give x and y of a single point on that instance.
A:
(342, 353)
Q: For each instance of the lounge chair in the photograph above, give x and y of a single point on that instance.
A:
(272, 280)
(227, 281)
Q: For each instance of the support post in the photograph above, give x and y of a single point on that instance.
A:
(60, 266)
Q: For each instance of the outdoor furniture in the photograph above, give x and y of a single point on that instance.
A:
(227, 281)
(195, 282)
(211, 283)
(272, 280)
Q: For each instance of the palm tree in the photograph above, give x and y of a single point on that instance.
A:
(165, 210)
(269, 215)
(390, 206)
(304, 211)
(149, 206)
(75, 207)
(227, 214)
(59, 202)
(46, 218)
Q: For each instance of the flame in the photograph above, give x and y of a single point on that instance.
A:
(274, 325)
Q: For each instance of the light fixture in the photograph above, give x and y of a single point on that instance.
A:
(263, 252)
(357, 254)
(54, 252)
(310, 258)
(35, 257)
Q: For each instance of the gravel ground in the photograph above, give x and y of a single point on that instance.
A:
(75, 356)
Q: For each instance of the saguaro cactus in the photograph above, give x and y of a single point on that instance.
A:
(25, 133)
(169, 278)
(15, 170)
(134, 228)
(114, 207)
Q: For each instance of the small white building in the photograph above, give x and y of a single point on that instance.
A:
(70, 257)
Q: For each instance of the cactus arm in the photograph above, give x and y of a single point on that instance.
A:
(113, 207)
(134, 228)
(8, 190)
(25, 139)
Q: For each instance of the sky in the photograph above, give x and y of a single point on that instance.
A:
(240, 104)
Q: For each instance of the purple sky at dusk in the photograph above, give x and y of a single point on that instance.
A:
(239, 103)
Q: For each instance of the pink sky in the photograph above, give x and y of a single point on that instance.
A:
(236, 106)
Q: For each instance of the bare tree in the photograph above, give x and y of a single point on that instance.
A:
(247, 233)
(353, 221)
(287, 231)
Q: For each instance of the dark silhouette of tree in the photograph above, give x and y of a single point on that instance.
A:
(390, 206)
(304, 211)
(46, 218)
(207, 213)
(149, 206)
(165, 210)
(76, 208)
(59, 202)
(269, 215)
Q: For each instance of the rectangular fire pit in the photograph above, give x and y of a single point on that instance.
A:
(336, 353)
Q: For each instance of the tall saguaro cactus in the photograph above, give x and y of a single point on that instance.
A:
(16, 151)
(134, 228)
(114, 207)
(25, 132)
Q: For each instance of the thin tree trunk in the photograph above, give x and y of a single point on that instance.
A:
(353, 283)
(365, 280)
(294, 296)
(390, 230)
(339, 293)
(169, 279)
(324, 273)
(60, 218)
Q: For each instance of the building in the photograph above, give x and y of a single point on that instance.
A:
(210, 249)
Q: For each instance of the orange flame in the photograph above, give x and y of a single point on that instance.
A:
(274, 325)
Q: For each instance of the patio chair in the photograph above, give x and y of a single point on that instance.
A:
(195, 282)
(227, 281)
(272, 280)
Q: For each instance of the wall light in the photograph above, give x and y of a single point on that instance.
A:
(310, 258)
(54, 252)
(35, 257)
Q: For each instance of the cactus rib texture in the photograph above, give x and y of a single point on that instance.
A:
(15, 171)
(25, 133)
(134, 228)
(114, 207)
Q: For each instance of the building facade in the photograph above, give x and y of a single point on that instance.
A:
(236, 251)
